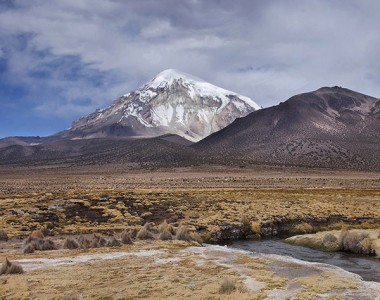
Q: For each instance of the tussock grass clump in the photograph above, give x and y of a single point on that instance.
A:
(41, 245)
(330, 242)
(196, 237)
(330, 238)
(45, 244)
(29, 240)
(3, 235)
(245, 224)
(183, 234)
(126, 237)
(171, 229)
(255, 227)
(354, 241)
(376, 247)
(10, 268)
(227, 286)
(70, 243)
(97, 240)
(113, 242)
(163, 226)
(93, 244)
(15, 269)
(45, 231)
(93, 241)
(134, 232)
(145, 233)
(37, 234)
(29, 248)
(165, 235)
(366, 246)
(302, 228)
(150, 226)
(80, 239)
(85, 243)
(37, 241)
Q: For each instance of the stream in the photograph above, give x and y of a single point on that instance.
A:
(367, 267)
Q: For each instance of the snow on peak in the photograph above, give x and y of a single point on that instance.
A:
(195, 86)
(173, 74)
(173, 102)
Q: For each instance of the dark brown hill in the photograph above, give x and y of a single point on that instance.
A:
(150, 152)
(331, 127)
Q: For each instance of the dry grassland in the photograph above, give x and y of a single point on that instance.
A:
(174, 271)
(210, 201)
(69, 201)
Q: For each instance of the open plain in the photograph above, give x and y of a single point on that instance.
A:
(111, 198)
(217, 203)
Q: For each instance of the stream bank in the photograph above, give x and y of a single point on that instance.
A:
(368, 267)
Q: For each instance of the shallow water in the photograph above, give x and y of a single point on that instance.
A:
(365, 266)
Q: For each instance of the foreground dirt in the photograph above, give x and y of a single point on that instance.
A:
(175, 270)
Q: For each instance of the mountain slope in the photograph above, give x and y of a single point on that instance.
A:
(160, 151)
(330, 127)
(172, 103)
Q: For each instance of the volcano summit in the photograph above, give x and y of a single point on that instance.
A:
(171, 103)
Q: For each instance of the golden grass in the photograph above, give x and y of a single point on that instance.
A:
(180, 274)
(325, 282)
(114, 200)
(131, 277)
(302, 228)
(364, 241)
(24, 213)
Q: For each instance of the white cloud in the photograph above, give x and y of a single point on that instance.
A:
(157, 29)
(268, 50)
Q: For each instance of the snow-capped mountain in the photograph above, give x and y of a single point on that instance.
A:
(173, 102)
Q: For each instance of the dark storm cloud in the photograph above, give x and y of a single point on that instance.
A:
(268, 50)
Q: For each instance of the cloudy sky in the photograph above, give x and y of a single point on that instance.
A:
(61, 59)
